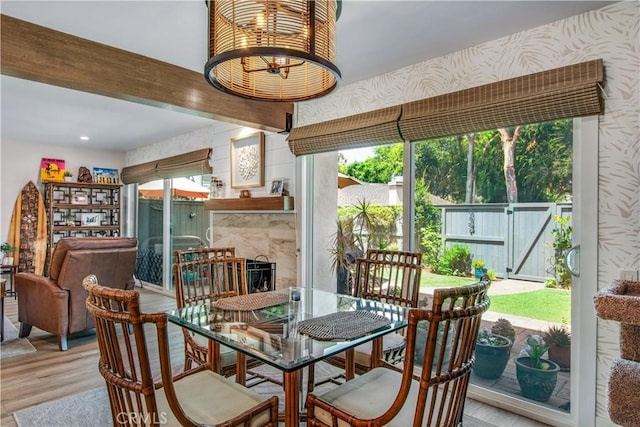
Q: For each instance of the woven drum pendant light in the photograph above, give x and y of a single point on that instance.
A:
(271, 50)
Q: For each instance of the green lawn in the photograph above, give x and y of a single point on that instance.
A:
(430, 280)
(552, 305)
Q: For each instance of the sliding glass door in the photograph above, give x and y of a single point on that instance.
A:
(171, 216)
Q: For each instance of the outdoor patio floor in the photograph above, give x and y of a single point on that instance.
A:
(508, 384)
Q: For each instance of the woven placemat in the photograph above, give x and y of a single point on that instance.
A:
(343, 325)
(251, 302)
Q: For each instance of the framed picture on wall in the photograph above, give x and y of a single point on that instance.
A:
(247, 161)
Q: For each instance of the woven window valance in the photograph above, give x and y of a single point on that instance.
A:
(193, 163)
(571, 91)
(561, 93)
(361, 130)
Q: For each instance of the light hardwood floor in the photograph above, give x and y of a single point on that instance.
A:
(50, 374)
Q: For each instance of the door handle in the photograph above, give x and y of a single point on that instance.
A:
(572, 261)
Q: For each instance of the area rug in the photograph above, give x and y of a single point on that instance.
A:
(91, 408)
(12, 345)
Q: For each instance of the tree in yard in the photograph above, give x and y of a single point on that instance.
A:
(384, 165)
(471, 169)
(541, 152)
(544, 157)
(442, 163)
(508, 141)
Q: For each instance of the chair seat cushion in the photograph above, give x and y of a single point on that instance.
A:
(198, 394)
(369, 396)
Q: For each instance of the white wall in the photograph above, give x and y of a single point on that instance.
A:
(20, 163)
(611, 33)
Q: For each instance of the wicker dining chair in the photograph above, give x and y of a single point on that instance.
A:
(388, 276)
(392, 277)
(194, 254)
(204, 276)
(185, 399)
(431, 395)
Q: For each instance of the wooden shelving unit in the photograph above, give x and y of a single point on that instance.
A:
(67, 202)
(249, 204)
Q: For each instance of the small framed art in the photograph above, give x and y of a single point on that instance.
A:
(90, 219)
(79, 198)
(276, 187)
(247, 161)
(51, 170)
(105, 176)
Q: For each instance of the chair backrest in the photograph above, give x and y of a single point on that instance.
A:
(124, 358)
(389, 276)
(452, 326)
(121, 247)
(111, 259)
(195, 254)
(204, 279)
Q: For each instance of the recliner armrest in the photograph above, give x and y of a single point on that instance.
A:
(42, 303)
(31, 282)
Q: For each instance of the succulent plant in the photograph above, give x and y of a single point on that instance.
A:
(504, 328)
(558, 336)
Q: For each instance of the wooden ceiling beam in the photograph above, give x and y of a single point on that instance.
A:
(38, 53)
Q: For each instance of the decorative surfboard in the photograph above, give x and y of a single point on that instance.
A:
(28, 230)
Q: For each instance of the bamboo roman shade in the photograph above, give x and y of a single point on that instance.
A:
(361, 130)
(193, 163)
(571, 91)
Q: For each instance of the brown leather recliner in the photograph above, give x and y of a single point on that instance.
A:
(56, 303)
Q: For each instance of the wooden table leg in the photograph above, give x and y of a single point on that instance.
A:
(214, 356)
(241, 368)
(292, 398)
(376, 352)
(349, 364)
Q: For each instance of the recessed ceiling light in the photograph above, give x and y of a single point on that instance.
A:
(84, 138)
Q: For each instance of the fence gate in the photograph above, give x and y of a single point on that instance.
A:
(514, 240)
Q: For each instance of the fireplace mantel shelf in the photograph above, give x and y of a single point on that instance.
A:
(258, 204)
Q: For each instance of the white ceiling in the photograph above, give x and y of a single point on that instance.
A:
(374, 37)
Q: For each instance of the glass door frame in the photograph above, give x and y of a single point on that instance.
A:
(583, 318)
(585, 233)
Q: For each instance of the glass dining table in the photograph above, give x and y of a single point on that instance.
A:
(290, 329)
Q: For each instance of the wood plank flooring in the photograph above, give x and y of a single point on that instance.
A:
(50, 374)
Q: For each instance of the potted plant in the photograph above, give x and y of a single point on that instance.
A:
(558, 338)
(492, 354)
(504, 328)
(6, 249)
(536, 376)
(479, 268)
(67, 175)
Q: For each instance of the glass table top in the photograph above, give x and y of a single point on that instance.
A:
(271, 333)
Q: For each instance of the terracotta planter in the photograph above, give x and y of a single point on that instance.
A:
(536, 384)
(561, 355)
